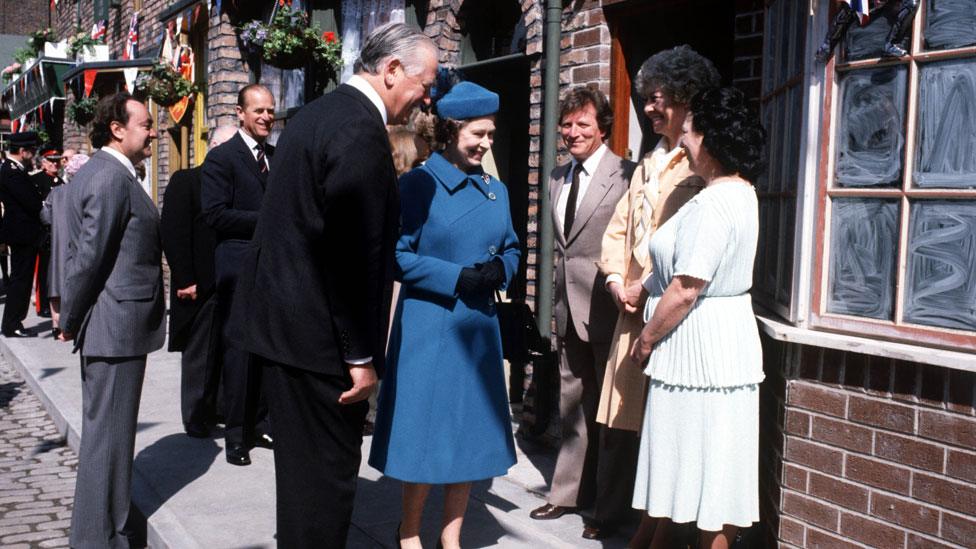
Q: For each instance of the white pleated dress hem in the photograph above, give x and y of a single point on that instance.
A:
(699, 455)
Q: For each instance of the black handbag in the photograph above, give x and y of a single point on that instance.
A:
(521, 342)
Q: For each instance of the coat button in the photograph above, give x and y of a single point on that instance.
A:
(491, 196)
(492, 250)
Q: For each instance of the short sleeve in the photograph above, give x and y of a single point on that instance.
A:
(702, 240)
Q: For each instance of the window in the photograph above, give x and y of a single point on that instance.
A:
(897, 200)
(783, 112)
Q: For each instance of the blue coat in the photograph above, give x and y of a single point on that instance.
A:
(443, 413)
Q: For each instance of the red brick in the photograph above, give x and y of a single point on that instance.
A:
(814, 456)
(797, 422)
(819, 399)
(810, 510)
(843, 434)
(905, 513)
(878, 474)
(791, 531)
(794, 477)
(916, 541)
(881, 414)
(950, 428)
(961, 530)
(821, 540)
(871, 532)
(961, 465)
(842, 493)
(909, 451)
(589, 37)
(947, 493)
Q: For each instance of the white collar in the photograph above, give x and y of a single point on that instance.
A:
(364, 86)
(121, 158)
(591, 163)
(248, 140)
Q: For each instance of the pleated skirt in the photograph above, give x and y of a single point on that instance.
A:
(699, 455)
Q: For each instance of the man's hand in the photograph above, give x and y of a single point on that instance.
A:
(363, 382)
(66, 336)
(190, 292)
(620, 298)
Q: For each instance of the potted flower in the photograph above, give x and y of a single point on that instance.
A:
(290, 42)
(84, 48)
(82, 111)
(165, 85)
(38, 38)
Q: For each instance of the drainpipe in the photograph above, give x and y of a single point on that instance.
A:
(550, 112)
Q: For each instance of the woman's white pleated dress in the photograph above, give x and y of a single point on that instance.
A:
(699, 449)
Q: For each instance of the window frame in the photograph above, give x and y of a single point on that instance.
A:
(827, 190)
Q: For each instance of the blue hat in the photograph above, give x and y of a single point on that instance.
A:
(467, 100)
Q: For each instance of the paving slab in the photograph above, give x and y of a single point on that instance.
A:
(192, 498)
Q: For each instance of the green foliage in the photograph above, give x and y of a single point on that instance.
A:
(82, 111)
(290, 42)
(39, 37)
(165, 85)
(80, 41)
(23, 54)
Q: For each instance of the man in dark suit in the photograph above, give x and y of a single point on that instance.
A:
(233, 179)
(314, 297)
(20, 231)
(113, 308)
(584, 194)
(189, 244)
(44, 181)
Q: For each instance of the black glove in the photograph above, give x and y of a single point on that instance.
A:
(470, 281)
(493, 273)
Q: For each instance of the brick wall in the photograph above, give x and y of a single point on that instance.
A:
(226, 72)
(747, 68)
(24, 16)
(876, 451)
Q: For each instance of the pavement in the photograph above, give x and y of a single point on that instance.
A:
(192, 498)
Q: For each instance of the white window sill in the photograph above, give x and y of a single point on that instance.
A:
(778, 329)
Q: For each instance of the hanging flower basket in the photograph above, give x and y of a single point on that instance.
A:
(82, 111)
(165, 85)
(290, 42)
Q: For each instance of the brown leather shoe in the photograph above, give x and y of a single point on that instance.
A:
(549, 512)
(592, 532)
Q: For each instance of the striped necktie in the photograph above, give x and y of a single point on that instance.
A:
(262, 162)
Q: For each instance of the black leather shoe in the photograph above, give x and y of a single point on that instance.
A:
(264, 440)
(549, 512)
(592, 531)
(194, 430)
(55, 332)
(237, 455)
(19, 332)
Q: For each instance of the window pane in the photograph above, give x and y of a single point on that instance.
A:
(863, 249)
(785, 289)
(941, 288)
(866, 42)
(871, 132)
(950, 24)
(946, 155)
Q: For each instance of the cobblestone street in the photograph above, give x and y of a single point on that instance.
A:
(37, 469)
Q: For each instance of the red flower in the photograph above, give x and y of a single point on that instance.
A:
(329, 36)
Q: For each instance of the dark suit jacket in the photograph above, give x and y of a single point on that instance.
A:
(112, 292)
(188, 242)
(21, 207)
(317, 286)
(43, 183)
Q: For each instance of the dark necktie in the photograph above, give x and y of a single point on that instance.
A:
(262, 164)
(571, 201)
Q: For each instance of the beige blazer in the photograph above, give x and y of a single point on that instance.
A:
(580, 291)
(624, 383)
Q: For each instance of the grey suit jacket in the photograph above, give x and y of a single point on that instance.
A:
(52, 214)
(580, 291)
(112, 290)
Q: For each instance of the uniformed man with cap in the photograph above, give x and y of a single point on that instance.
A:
(21, 230)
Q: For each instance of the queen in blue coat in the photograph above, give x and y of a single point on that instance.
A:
(443, 415)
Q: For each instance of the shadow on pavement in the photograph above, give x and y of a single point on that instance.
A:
(9, 391)
(173, 462)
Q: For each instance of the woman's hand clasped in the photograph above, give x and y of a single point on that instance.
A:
(641, 349)
(620, 298)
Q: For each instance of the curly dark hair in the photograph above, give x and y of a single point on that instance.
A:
(681, 71)
(581, 96)
(731, 133)
(112, 108)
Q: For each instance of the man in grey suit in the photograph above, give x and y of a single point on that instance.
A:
(112, 306)
(585, 193)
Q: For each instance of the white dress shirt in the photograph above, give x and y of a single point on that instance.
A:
(123, 159)
(252, 145)
(362, 85)
(589, 167)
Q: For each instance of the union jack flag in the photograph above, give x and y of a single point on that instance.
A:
(862, 8)
(98, 30)
(132, 39)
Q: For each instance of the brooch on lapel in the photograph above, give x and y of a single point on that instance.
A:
(487, 179)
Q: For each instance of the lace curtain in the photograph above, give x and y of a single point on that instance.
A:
(359, 18)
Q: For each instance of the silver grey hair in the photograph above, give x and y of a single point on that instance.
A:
(394, 40)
